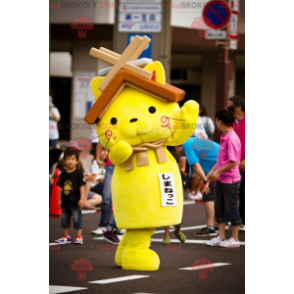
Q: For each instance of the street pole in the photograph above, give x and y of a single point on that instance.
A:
(223, 75)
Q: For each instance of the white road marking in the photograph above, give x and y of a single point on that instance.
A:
(88, 211)
(120, 279)
(101, 238)
(63, 289)
(196, 268)
(183, 229)
(189, 202)
(188, 241)
(52, 244)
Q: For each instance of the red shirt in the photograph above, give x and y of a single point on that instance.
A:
(108, 162)
(239, 129)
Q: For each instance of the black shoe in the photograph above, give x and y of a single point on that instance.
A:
(206, 232)
(111, 237)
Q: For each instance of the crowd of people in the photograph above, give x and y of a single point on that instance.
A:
(213, 172)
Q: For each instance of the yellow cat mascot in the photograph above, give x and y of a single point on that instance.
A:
(146, 184)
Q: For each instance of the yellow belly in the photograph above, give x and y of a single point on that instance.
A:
(136, 194)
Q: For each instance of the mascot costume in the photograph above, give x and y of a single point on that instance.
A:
(136, 115)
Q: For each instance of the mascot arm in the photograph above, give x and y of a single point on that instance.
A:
(186, 127)
(119, 152)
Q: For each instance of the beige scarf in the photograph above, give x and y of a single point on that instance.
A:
(142, 155)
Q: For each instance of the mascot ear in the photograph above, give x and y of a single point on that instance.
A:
(94, 86)
(158, 71)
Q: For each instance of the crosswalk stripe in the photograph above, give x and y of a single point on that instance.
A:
(188, 241)
(173, 240)
(183, 229)
(52, 244)
(201, 267)
(53, 289)
(189, 202)
(119, 279)
(89, 211)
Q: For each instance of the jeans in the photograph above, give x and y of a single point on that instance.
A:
(242, 198)
(98, 189)
(106, 197)
(226, 203)
(52, 143)
(112, 225)
(76, 217)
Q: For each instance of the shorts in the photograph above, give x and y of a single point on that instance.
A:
(90, 195)
(211, 195)
(226, 203)
(76, 214)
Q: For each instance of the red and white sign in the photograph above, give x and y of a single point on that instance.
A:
(234, 30)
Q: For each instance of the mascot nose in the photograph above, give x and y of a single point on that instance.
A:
(133, 120)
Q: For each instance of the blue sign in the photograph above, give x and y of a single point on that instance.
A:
(216, 14)
(147, 53)
(88, 105)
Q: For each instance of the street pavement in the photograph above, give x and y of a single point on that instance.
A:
(192, 267)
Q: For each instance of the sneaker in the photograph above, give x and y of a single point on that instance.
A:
(181, 236)
(215, 242)
(205, 232)
(166, 241)
(111, 237)
(231, 243)
(199, 196)
(120, 231)
(99, 231)
(192, 195)
(79, 240)
(242, 228)
(65, 239)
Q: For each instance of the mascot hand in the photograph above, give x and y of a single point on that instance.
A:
(119, 152)
(186, 125)
(189, 111)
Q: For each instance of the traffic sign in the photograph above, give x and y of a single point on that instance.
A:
(215, 35)
(216, 14)
(233, 44)
(234, 31)
(147, 53)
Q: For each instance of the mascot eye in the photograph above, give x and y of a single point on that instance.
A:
(113, 121)
(152, 109)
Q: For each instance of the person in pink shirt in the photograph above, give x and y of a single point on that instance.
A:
(227, 176)
(239, 127)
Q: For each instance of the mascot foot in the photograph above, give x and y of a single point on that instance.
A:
(120, 250)
(140, 259)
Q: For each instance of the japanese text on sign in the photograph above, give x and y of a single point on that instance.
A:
(168, 189)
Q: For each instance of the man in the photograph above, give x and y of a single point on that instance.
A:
(239, 128)
(201, 155)
(196, 182)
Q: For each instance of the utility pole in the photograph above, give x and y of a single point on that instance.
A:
(223, 75)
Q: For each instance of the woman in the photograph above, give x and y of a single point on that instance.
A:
(54, 118)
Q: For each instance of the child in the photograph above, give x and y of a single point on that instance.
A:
(177, 231)
(72, 193)
(227, 176)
